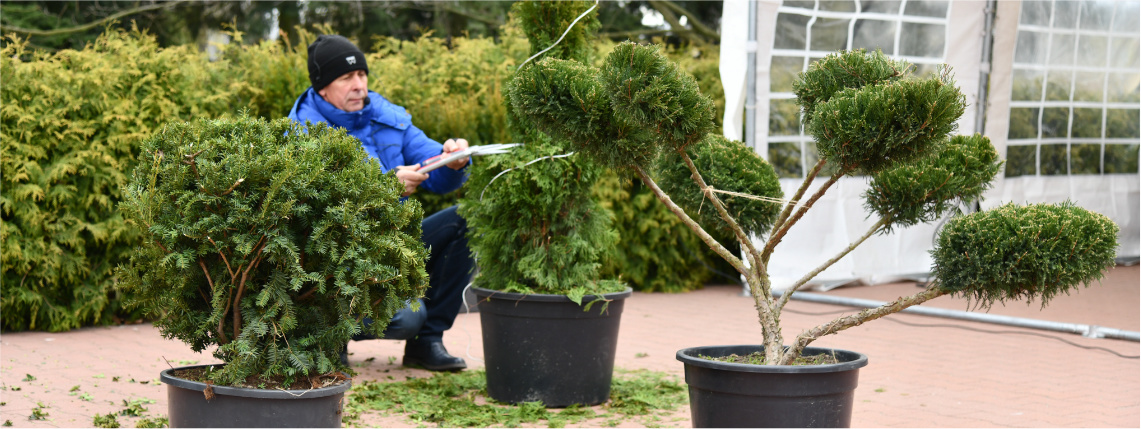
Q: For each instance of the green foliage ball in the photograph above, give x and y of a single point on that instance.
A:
(268, 242)
(651, 92)
(544, 23)
(842, 70)
(1023, 252)
(876, 127)
(728, 166)
(922, 191)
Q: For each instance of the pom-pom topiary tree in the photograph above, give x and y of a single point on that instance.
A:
(269, 242)
(869, 116)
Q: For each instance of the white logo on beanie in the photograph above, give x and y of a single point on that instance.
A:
(351, 60)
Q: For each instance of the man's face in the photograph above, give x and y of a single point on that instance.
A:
(348, 92)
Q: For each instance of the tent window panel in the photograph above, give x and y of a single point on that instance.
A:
(1023, 123)
(1125, 53)
(1087, 123)
(1091, 50)
(1089, 86)
(1058, 85)
(1030, 48)
(890, 7)
(783, 71)
(874, 34)
(923, 40)
(1085, 159)
(838, 6)
(784, 118)
(1066, 13)
(1055, 122)
(1021, 161)
(1035, 13)
(791, 31)
(934, 9)
(829, 34)
(1128, 17)
(1120, 158)
(1124, 87)
(1096, 15)
(1123, 123)
(785, 158)
(1053, 157)
(1062, 50)
(924, 71)
(1027, 85)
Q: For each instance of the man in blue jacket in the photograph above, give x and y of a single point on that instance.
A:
(340, 97)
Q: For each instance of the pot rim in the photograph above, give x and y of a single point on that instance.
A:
(544, 297)
(689, 356)
(167, 377)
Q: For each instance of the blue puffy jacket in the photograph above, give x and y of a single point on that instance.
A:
(386, 133)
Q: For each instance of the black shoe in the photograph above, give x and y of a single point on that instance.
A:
(431, 355)
(345, 355)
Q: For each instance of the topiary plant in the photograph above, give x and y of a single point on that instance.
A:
(535, 226)
(269, 242)
(869, 116)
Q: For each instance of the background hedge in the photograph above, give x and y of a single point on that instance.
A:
(71, 124)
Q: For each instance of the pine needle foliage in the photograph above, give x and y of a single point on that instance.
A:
(727, 166)
(922, 191)
(843, 70)
(269, 242)
(535, 226)
(1024, 252)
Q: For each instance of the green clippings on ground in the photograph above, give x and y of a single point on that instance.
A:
(135, 407)
(86, 397)
(38, 412)
(16, 388)
(99, 376)
(157, 422)
(7, 423)
(115, 378)
(74, 388)
(105, 421)
(29, 377)
(460, 400)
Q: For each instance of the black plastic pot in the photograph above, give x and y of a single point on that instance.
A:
(546, 348)
(241, 407)
(723, 394)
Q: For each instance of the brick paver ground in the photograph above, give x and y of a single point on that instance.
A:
(948, 374)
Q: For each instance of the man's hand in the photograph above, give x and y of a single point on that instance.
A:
(455, 145)
(410, 178)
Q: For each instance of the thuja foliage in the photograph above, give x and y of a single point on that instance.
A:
(71, 123)
(867, 115)
(535, 225)
(269, 242)
(726, 166)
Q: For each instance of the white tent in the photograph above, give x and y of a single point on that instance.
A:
(1060, 80)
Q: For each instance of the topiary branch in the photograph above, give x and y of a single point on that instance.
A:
(845, 322)
(779, 235)
(720, 206)
(799, 194)
(692, 224)
(223, 255)
(242, 286)
(808, 277)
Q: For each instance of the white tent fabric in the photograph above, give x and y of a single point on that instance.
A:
(839, 218)
(733, 64)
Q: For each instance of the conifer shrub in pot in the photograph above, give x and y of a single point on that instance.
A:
(272, 244)
(869, 116)
(549, 322)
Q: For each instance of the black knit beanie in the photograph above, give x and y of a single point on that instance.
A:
(331, 56)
